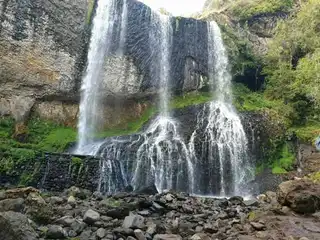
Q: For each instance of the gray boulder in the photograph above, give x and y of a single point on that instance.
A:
(133, 221)
(16, 205)
(15, 226)
(167, 237)
(56, 232)
(91, 216)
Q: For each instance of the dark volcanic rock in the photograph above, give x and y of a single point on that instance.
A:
(147, 190)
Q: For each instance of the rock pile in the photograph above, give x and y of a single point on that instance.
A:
(78, 214)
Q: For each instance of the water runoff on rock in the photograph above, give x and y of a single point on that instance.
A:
(219, 143)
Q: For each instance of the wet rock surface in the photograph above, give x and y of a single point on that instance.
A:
(165, 216)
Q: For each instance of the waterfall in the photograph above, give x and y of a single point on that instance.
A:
(222, 161)
(101, 37)
(215, 161)
(161, 157)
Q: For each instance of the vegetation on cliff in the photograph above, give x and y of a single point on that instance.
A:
(39, 137)
(246, 9)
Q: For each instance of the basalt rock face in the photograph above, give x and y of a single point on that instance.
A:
(42, 48)
(55, 172)
(138, 70)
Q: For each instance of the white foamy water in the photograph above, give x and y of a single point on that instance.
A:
(224, 141)
(101, 36)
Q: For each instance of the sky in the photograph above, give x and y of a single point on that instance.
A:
(177, 7)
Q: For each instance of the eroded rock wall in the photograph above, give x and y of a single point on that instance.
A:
(42, 48)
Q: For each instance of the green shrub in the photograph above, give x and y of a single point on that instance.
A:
(76, 161)
(284, 162)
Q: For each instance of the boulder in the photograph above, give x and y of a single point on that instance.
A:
(119, 212)
(35, 198)
(78, 226)
(167, 237)
(91, 216)
(302, 196)
(101, 233)
(56, 200)
(20, 192)
(56, 232)
(65, 221)
(133, 221)
(258, 226)
(72, 201)
(16, 205)
(139, 234)
(200, 236)
(149, 190)
(15, 226)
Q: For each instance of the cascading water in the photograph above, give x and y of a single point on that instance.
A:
(222, 157)
(162, 157)
(214, 163)
(99, 48)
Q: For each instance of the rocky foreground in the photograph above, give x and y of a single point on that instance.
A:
(77, 214)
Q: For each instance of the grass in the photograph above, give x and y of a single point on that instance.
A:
(90, 10)
(189, 99)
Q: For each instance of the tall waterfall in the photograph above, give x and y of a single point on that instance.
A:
(162, 157)
(221, 161)
(99, 48)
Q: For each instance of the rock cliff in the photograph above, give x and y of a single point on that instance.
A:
(42, 48)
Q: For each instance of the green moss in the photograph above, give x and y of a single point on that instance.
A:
(58, 140)
(314, 177)
(131, 127)
(259, 169)
(25, 179)
(76, 161)
(189, 99)
(279, 170)
(42, 136)
(245, 9)
(252, 216)
(91, 4)
(111, 202)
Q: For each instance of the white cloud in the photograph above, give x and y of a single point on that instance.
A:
(177, 7)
